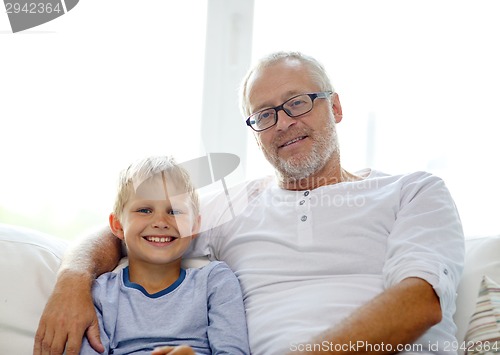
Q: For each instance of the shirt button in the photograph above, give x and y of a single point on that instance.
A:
(302, 202)
(306, 193)
(303, 218)
(445, 271)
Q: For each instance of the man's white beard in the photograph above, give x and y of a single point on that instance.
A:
(302, 166)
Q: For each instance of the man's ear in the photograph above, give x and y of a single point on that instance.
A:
(116, 226)
(337, 108)
(196, 227)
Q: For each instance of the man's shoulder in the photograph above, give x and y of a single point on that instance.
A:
(252, 187)
(221, 205)
(413, 176)
(401, 183)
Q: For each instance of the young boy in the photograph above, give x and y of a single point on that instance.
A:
(154, 302)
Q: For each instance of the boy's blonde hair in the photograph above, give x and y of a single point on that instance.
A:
(138, 172)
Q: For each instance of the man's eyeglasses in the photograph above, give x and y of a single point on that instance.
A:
(293, 107)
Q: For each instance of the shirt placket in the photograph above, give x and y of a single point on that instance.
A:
(304, 218)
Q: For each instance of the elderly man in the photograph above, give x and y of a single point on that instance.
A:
(328, 261)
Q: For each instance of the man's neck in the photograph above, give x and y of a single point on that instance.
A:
(324, 177)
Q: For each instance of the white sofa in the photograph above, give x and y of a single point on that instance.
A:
(29, 261)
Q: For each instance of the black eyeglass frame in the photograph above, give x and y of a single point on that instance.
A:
(313, 96)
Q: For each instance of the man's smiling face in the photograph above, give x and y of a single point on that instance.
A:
(296, 147)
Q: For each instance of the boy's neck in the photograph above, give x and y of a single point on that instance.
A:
(154, 278)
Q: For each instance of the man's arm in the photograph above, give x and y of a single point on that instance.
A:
(174, 350)
(398, 316)
(69, 312)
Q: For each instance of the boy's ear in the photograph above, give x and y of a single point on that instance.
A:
(196, 227)
(116, 226)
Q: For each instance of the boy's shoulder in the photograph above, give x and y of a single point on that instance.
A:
(217, 277)
(214, 270)
(107, 285)
(112, 276)
(209, 267)
(109, 279)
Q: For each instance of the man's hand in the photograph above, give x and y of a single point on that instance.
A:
(68, 315)
(174, 350)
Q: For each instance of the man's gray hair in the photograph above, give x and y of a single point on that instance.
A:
(318, 74)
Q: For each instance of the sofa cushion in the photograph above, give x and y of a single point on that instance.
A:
(482, 258)
(28, 264)
(483, 334)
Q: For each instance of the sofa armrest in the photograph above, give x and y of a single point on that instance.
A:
(29, 261)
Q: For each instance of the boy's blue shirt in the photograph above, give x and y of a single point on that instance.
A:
(203, 309)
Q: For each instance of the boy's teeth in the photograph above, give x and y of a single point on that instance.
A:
(159, 239)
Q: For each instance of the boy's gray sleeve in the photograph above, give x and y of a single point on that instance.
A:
(227, 327)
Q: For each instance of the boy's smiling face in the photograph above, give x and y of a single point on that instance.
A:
(157, 223)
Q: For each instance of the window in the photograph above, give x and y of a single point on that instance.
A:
(83, 95)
